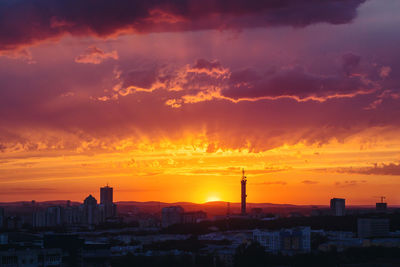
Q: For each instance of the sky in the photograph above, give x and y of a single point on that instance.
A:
(167, 100)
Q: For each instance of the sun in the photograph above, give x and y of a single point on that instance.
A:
(212, 199)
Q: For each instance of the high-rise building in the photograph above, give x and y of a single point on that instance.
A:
(107, 207)
(106, 194)
(338, 206)
(90, 211)
(244, 195)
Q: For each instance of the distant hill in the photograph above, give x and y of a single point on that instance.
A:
(212, 208)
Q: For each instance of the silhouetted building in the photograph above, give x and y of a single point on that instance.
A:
(1, 217)
(372, 227)
(39, 218)
(13, 223)
(54, 216)
(106, 195)
(90, 211)
(338, 206)
(381, 206)
(244, 195)
(193, 216)
(107, 207)
(72, 215)
(171, 215)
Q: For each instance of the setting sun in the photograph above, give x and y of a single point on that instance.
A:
(213, 199)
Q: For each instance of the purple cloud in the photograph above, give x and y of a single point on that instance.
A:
(25, 22)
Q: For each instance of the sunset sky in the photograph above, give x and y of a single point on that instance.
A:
(167, 100)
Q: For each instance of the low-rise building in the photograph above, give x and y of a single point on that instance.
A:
(287, 241)
(31, 257)
(193, 217)
(171, 215)
(372, 227)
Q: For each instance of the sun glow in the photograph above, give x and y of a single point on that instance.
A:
(213, 198)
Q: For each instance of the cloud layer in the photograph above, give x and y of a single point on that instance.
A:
(94, 55)
(25, 22)
(376, 169)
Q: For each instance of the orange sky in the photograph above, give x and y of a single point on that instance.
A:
(298, 174)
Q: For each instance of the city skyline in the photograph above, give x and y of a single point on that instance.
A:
(105, 197)
(169, 100)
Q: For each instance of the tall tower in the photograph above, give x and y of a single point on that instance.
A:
(106, 195)
(108, 208)
(243, 182)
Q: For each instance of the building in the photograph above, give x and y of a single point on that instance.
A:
(2, 218)
(30, 257)
(3, 239)
(39, 218)
(244, 195)
(54, 216)
(107, 206)
(286, 241)
(72, 215)
(372, 227)
(270, 240)
(193, 217)
(90, 211)
(106, 194)
(13, 223)
(381, 206)
(338, 206)
(171, 215)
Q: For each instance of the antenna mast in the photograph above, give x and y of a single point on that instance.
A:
(244, 195)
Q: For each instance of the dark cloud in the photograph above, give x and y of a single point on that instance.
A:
(376, 169)
(24, 22)
(142, 78)
(350, 183)
(208, 65)
(205, 80)
(294, 82)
